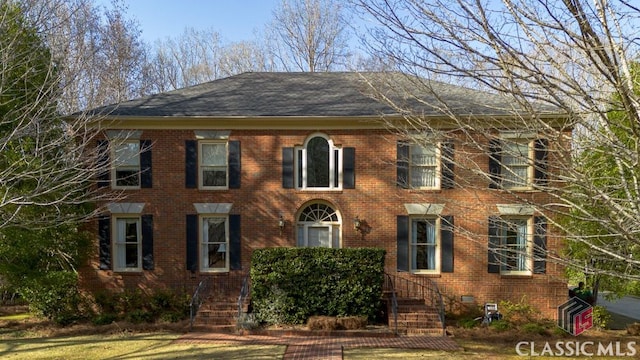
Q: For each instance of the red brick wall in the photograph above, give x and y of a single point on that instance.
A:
(376, 200)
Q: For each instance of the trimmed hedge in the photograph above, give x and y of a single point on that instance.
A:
(291, 284)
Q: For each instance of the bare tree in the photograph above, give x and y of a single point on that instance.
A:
(47, 163)
(198, 56)
(309, 35)
(100, 55)
(570, 57)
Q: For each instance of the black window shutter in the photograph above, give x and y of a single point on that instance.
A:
(349, 168)
(104, 168)
(402, 165)
(192, 242)
(447, 166)
(540, 245)
(541, 161)
(403, 243)
(235, 246)
(287, 168)
(104, 242)
(234, 165)
(493, 245)
(446, 244)
(191, 164)
(495, 160)
(146, 180)
(147, 242)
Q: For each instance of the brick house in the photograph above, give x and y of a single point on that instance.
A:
(212, 172)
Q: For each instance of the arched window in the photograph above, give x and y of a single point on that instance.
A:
(318, 225)
(319, 164)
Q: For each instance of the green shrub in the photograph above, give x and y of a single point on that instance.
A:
(55, 295)
(104, 319)
(468, 323)
(517, 313)
(500, 325)
(534, 328)
(138, 316)
(601, 317)
(137, 307)
(291, 284)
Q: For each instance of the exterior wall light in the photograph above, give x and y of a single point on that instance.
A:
(356, 224)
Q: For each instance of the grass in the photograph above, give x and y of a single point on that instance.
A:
(24, 337)
(129, 346)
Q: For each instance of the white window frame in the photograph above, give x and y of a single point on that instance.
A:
(413, 245)
(117, 245)
(507, 170)
(115, 144)
(334, 227)
(528, 257)
(203, 243)
(437, 166)
(202, 168)
(335, 165)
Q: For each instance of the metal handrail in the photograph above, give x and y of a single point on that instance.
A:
(196, 300)
(244, 294)
(426, 289)
(394, 301)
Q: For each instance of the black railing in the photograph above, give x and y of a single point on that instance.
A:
(244, 294)
(423, 288)
(197, 299)
(389, 286)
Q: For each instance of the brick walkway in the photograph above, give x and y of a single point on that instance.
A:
(323, 347)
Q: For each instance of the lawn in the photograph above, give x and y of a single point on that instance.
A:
(22, 337)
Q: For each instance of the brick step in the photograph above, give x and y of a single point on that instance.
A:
(217, 313)
(213, 328)
(219, 306)
(431, 331)
(216, 321)
(416, 324)
(418, 316)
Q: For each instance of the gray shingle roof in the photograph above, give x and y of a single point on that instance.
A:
(280, 94)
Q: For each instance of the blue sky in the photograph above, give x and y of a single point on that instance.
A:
(234, 20)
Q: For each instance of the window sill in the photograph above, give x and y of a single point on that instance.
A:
(128, 271)
(524, 275)
(213, 272)
(427, 274)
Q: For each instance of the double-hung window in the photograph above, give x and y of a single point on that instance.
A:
(512, 244)
(126, 164)
(517, 160)
(424, 166)
(213, 165)
(127, 244)
(214, 243)
(425, 252)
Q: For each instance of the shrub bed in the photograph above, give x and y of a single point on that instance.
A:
(291, 284)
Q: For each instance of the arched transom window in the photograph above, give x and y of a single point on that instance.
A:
(319, 226)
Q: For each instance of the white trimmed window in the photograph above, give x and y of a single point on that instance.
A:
(214, 243)
(318, 164)
(213, 165)
(516, 245)
(126, 164)
(517, 164)
(424, 246)
(424, 166)
(127, 244)
(318, 225)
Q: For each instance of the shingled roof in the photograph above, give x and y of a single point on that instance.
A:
(291, 94)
